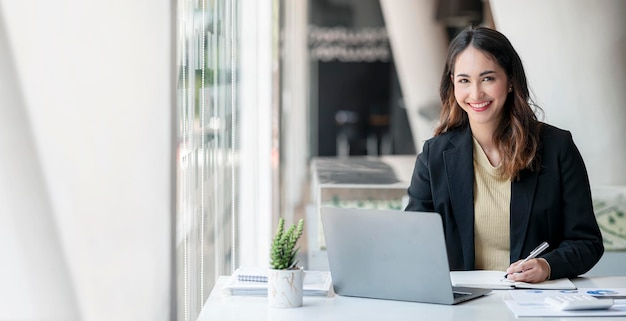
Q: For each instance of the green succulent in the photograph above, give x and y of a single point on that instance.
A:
(284, 252)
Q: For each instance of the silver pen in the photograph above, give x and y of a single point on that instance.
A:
(538, 250)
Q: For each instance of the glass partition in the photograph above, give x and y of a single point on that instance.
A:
(207, 127)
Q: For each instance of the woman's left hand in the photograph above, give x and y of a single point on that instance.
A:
(531, 271)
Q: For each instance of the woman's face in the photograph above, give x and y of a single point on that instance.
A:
(480, 87)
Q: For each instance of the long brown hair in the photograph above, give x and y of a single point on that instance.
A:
(517, 136)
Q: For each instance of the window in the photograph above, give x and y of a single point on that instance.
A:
(207, 128)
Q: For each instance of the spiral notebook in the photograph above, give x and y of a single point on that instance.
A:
(490, 279)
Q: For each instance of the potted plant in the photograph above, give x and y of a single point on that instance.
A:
(285, 277)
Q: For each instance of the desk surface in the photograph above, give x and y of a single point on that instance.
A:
(491, 307)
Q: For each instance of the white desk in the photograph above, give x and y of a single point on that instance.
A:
(340, 308)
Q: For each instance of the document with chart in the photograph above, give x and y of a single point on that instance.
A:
(533, 303)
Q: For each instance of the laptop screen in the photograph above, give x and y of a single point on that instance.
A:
(387, 254)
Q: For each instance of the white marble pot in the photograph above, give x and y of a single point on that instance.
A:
(284, 288)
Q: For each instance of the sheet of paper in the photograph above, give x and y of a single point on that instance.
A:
(481, 279)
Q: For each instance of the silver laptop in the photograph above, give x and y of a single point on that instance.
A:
(390, 254)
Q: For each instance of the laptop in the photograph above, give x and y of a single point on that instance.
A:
(390, 254)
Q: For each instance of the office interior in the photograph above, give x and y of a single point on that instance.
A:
(150, 146)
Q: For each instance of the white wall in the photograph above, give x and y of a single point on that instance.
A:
(86, 148)
(574, 55)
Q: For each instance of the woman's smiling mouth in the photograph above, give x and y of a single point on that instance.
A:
(480, 106)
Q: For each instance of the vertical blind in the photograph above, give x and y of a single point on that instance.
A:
(207, 127)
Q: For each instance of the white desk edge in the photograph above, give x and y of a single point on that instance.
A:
(491, 307)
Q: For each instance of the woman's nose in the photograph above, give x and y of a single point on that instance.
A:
(476, 92)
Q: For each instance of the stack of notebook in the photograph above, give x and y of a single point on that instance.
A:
(253, 281)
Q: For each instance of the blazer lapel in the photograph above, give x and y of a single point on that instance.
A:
(460, 170)
(522, 197)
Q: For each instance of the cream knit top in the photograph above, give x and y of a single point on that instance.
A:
(492, 199)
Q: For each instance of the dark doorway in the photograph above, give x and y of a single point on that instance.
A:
(357, 101)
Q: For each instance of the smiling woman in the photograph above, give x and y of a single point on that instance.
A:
(503, 181)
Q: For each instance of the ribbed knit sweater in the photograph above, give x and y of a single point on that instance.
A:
(492, 199)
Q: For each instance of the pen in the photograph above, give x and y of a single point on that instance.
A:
(536, 251)
(533, 254)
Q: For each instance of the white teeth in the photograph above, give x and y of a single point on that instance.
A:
(481, 105)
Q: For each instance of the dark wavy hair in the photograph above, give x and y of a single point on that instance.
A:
(517, 136)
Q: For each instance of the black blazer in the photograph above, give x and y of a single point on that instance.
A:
(553, 204)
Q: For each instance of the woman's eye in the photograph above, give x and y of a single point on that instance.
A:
(489, 78)
(463, 81)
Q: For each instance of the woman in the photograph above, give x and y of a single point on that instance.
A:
(503, 181)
